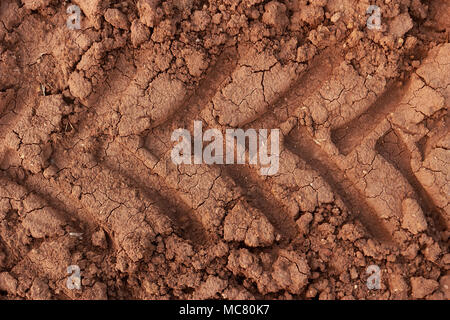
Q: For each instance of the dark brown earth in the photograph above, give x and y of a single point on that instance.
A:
(86, 118)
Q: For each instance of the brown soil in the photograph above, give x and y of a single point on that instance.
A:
(86, 118)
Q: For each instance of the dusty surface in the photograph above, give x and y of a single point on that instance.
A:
(86, 118)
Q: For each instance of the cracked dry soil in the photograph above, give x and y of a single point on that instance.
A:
(86, 118)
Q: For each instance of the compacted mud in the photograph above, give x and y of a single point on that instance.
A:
(87, 179)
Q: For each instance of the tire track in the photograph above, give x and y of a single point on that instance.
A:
(277, 208)
(309, 81)
(182, 216)
(162, 166)
(199, 100)
(301, 143)
(349, 182)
